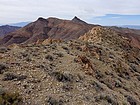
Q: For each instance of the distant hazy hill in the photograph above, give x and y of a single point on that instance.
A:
(7, 29)
(21, 24)
(132, 26)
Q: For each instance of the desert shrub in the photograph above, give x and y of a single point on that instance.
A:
(99, 75)
(62, 77)
(107, 98)
(124, 75)
(4, 49)
(8, 98)
(49, 57)
(97, 86)
(67, 87)
(59, 54)
(118, 84)
(21, 77)
(53, 46)
(34, 80)
(3, 68)
(131, 100)
(65, 48)
(24, 55)
(107, 83)
(133, 68)
(40, 66)
(52, 101)
(11, 76)
(28, 59)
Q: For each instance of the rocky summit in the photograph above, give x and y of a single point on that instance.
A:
(70, 62)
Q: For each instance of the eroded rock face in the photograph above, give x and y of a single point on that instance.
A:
(94, 35)
(110, 38)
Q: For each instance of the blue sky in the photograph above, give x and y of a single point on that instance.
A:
(104, 12)
(116, 19)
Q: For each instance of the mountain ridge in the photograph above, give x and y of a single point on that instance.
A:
(44, 28)
(54, 28)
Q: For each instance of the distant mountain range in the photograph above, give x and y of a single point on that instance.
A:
(131, 26)
(21, 24)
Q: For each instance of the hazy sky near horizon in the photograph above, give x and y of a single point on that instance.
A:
(105, 12)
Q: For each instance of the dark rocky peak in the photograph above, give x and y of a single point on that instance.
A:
(78, 20)
(75, 18)
(40, 22)
(41, 19)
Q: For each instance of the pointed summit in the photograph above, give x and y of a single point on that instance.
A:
(78, 20)
(75, 18)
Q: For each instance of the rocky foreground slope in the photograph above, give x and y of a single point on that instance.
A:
(100, 68)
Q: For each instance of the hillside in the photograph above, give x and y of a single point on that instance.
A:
(125, 30)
